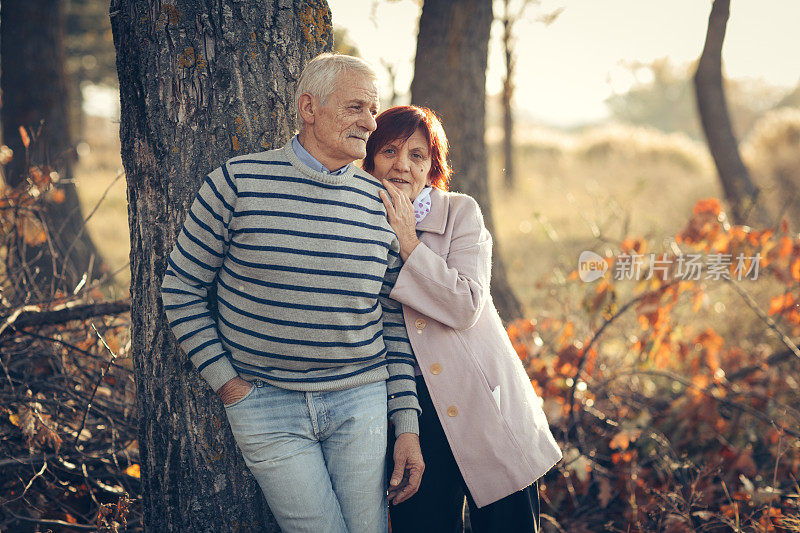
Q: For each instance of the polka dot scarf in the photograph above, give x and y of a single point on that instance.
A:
(422, 204)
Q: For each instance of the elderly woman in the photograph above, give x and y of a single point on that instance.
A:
(482, 429)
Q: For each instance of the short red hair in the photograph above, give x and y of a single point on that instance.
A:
(401, 122)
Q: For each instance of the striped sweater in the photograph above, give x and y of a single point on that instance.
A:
(303, 263)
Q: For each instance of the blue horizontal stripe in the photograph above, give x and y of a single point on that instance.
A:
(297, 306)
(307, 325)
(210, 209)
(193, 259)
(241, 369)
(194, 332)
(291, 179)
(312, 253)
(170, 290)
(185, 274)
(179, 321)
(260, 162)
(184, 304)
(297, 198)
(318, 218)
(298, 288)
(397, 339)
(311, 271)
(402, 393)
(219, 196)
(399, 377)
(389, 309)
(393, 325)
(199, 348)
(300, 342)
(270, 355)
(333, 237)
(400, 361)
(369, 181)
(201, 244)
(204, 226)
(231, 184)
(207, 362)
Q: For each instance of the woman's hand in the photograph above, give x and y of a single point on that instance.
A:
(400, 212)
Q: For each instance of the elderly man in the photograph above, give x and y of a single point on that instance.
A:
(306, 351)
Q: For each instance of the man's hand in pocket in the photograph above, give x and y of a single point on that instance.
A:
(234, 390)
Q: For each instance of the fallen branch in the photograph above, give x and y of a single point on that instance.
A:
(36, 317)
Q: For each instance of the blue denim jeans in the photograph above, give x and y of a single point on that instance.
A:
(319, 457)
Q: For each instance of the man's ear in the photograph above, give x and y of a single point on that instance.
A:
(306, 108)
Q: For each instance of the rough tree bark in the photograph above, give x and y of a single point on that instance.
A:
(740, 191)
(200, 82)
(35, 97)
(450, 78)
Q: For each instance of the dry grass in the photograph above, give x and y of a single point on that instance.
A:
(589, 191)
(95, 175)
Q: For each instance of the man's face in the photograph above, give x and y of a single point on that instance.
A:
(341, 125)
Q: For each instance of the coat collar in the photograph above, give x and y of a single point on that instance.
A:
(436, 220)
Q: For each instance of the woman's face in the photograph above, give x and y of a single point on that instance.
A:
(406, 164)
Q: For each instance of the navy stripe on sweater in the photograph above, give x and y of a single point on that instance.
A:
(306, 181)
(311, 253)
(325, 236)
(271, 355)
(296, 288)
(298, 198)
(306, 307)
(308, 325)
(239, 368)
(318, 218)
(299, 342)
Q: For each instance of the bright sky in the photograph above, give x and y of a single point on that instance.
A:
(566, 70)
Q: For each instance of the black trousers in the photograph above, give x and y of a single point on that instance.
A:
(437, 506)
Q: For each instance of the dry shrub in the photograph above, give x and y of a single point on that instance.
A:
(667, 422)
(625, 143)
(772, 153)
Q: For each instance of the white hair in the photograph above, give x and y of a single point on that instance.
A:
(321, 74)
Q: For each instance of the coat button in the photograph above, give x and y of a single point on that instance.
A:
(452, 411)
(436, 369)
(420, 323)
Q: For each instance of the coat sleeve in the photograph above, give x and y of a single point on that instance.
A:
(451, 290)
(191, 268)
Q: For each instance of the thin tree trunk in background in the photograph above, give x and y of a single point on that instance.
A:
(508, 93)
(740, 191)
(199, 83)
(34, 87)
(450, 78)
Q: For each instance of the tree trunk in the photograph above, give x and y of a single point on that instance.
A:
(740, 191)
(200, 82)
(34, 89)
(450, 78)
(508, 93)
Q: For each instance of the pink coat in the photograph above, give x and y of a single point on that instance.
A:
(490, 413)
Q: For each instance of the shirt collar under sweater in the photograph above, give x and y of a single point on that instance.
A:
(334, 179)
(306, 157)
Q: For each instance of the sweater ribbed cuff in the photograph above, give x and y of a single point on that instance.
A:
(219, 373)
(405, 421)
